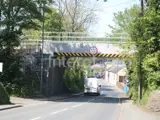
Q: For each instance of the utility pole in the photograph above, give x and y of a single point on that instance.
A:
(1, 10)
(43, 14)
(142, 7)
(117, 71)
(140, 61)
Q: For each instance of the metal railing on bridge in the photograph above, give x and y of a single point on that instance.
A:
(75, 37)
(34, 40)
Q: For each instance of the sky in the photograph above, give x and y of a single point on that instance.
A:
(106, 11)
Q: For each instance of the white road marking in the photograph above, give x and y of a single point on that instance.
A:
(36, 118)
(72, 107)
(59, 111)
(77, 105)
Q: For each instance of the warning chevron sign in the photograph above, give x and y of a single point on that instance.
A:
(70, 54)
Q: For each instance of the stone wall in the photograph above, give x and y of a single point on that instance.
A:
(154, 101)
(55, 81)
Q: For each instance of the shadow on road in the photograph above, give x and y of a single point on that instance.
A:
(109, 94)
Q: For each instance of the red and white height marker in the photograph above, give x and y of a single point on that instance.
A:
(93, 50)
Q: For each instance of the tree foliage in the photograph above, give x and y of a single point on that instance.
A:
(74, 78)
(4, 98)
(124, 23)
(20, 16)
(144, 33)
(151, 66)
(76, 15)
(15, 16)
(53, 21)
(124, 20)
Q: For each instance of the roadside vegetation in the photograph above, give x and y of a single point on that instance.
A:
(144, 36)
(4, 98)
(15, 16)
(74, 78)
(21, 17)
(75, 74)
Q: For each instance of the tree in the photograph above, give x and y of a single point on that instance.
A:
(144, 33)
(16, 15)
(130, 22)
(53, 21)
(76, 15)
(124, 20)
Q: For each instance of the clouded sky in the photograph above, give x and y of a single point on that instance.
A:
(107, 9)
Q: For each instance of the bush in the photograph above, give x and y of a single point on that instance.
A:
(145, 97)
(14, 79)
(4, 98)
(74, 79)
(132, 76)
(19, 90)
(151, 66)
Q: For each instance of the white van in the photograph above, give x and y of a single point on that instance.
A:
(91, 86)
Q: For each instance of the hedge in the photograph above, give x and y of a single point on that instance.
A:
(4, 98)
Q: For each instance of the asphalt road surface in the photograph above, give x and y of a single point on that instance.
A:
(103, 107)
